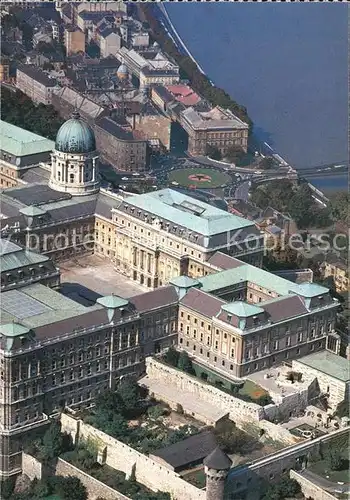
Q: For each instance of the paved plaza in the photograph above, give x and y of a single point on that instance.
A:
(90, 277)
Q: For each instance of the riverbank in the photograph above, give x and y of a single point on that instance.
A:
(286, 63)
(151, 14)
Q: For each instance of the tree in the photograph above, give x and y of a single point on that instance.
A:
(130, 393)
(213, 152)
(300, 206)
(285, 488)
(267, 163)
(53, 442)
(71, 488)
(334, 459)
(171, 356)
(110, 401)
(288, 487)
(339, 206)
(155, 412)
(19, 109)
(185, 363)
(7, 487)
(234, 153)
(264, 400)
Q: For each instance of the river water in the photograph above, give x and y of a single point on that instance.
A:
(287, 63)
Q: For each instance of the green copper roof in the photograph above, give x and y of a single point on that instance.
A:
(112, 302)
(20, 142)
(32, 211)
(13, 330)
(242, 309)
(37, 305)
(328, 363)
(188, 212)
(20, 259)
(309, 290)
(75, 136)
(184, 282)
(262, 278)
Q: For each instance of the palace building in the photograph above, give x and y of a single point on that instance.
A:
(150, 237)
(206, 292)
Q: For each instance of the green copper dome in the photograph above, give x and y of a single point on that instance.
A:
(75, 136)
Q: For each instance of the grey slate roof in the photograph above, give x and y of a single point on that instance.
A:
(218, 460)
(191, 450)
(35, 175)
(20, 258)
(285, 307)
(224, 261)
(37, 75)
(36, 194)
(202, 302)
(160, 297)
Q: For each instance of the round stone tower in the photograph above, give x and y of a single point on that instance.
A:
(216, 467)
(75, 159)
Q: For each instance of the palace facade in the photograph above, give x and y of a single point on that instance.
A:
(206, 292)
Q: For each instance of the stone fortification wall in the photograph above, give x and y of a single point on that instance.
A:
(34, 469)
(272, 466)
(310, 489)
(124, 458)
(239, 411)
(31, 467)
(95, 489)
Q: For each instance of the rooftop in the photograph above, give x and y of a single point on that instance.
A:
(242, 309)
(20, 142)
(37, 75)
(191, 450)
(328, 363)
(215, 118)
(192, 214)
(13, 256)
(37, 305)
(183, 282)
(184, 94)
(218, 460)
(265, 279)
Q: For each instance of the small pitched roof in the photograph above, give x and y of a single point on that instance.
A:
(242, 309)
(217, 460)
(32, 211)
(13, 330)
(310, 290)
(329, 363)
(183, 281)
(112, 301)
(192, 449)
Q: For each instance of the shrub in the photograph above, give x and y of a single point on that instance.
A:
(155, 412)
(171, 356)
(7, 487)
(185, 363)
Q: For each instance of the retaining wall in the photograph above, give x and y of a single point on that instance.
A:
(124, 458)
(95, 489)
(239, 411)
(311, 489)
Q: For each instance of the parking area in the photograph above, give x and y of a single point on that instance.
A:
(90, 277)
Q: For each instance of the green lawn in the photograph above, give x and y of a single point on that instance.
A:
(321, 468)
(201, 178)
(247, 388)
(251, 389)
(197, 478)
